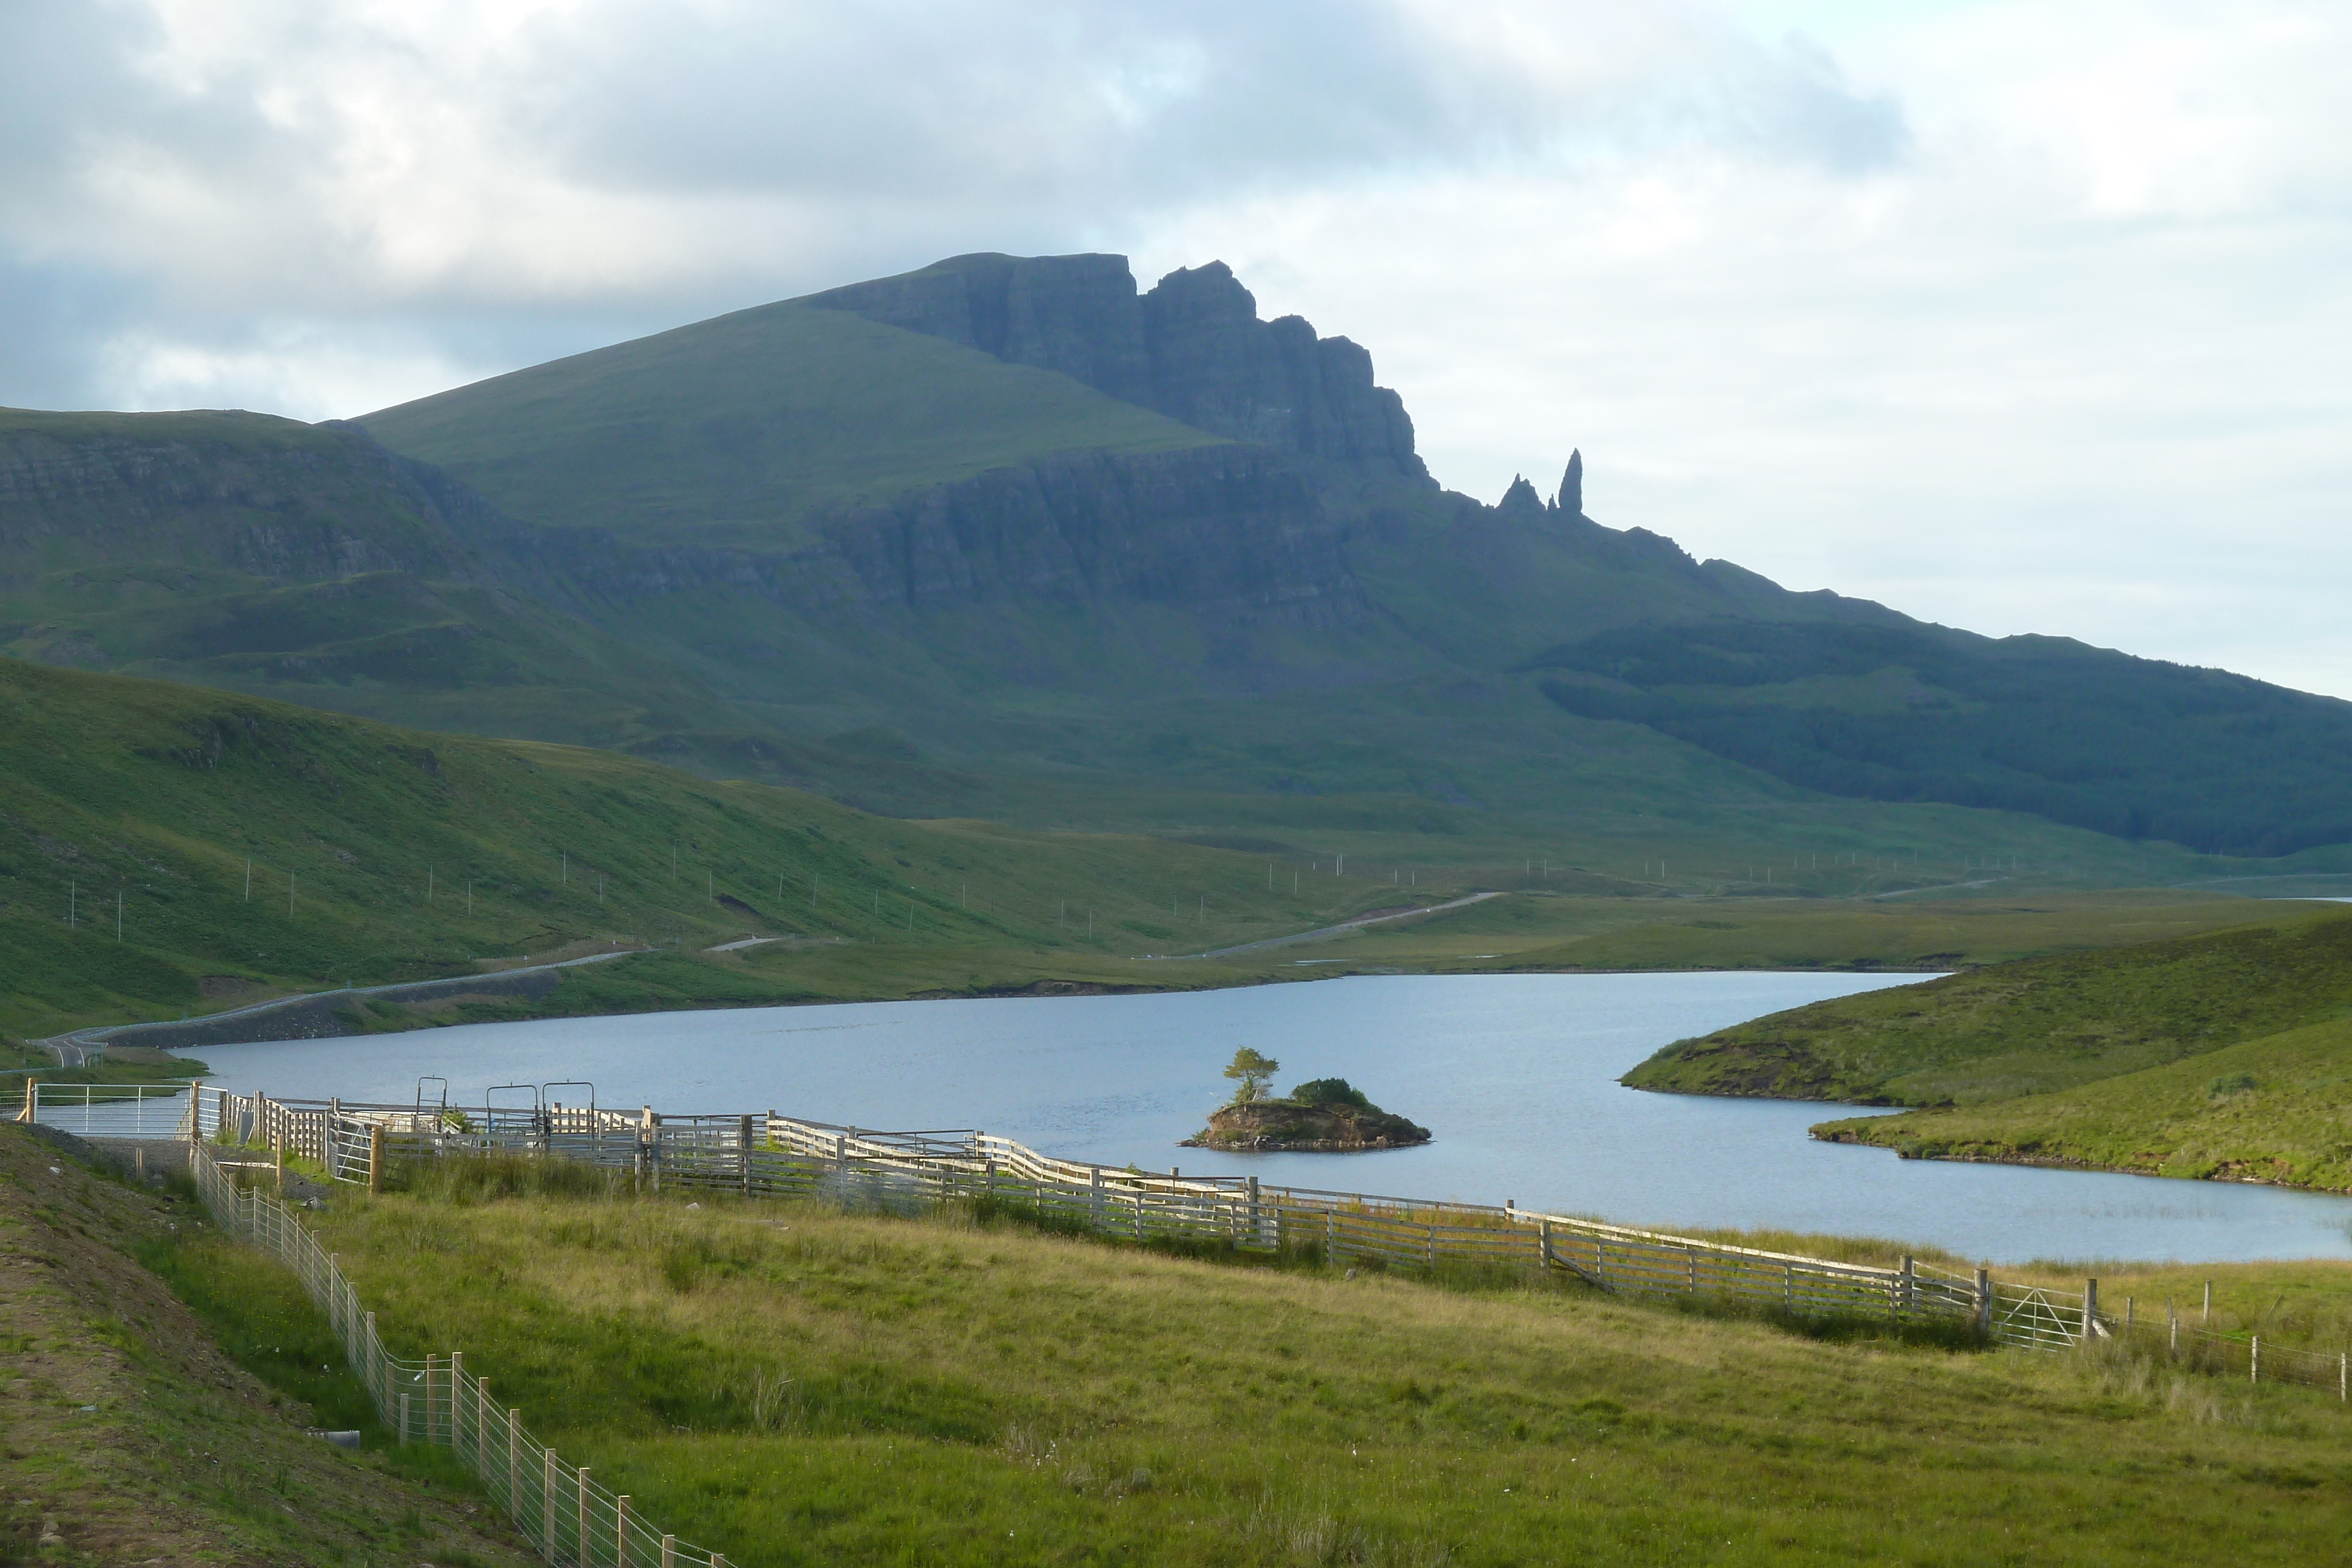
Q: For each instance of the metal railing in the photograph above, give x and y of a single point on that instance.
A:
(108, 1110)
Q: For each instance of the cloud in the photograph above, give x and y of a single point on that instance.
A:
(271, 169)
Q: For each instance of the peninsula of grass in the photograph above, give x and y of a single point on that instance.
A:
(793, 1383)
(2031, 1027)
(2268, 1110)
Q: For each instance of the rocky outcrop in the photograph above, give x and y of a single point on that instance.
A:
(1193, 348)
(1233, 532)
(1284, 1126)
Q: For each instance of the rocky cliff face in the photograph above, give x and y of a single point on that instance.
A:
(246, 493)
(1193, 348)
(1231, 533)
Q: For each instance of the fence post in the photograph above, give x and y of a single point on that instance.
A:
(1910, 1283)
(743, 1147)
(404, 1417)
(1543, 1245)
(456, 1403)
(514, 1465)
(32, 1115)
(2343, 1377)
(1256, 1219)
(1330, 1236)
(375, 1156)
(621, 1530)
(670, 1551)
(2254, 1362)
(585, 1536)
(547, 1502)
(1984, 1303)
(2090, 1309)
(1094, 1198)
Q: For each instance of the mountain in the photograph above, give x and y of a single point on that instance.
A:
(1014, 537)
(1900, 711)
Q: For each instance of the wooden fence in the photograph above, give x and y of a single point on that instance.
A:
(765, 1154)
(572, 1519)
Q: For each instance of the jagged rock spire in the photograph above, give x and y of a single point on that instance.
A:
(1520, 497)
(1571, 485)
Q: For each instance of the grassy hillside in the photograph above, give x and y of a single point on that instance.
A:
(793, 1385)
(731, 430)
(2033, 1026)
(2271, 1109)
(377, 854)
(1544, 930)
(128, 1437)
(1904, 712)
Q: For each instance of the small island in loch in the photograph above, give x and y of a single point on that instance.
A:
(1323, 1115)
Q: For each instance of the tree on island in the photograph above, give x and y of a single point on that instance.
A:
(1253, 1074)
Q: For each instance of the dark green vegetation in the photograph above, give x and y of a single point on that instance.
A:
(127, 1435)
(2226, 1054)
(1007, 538)
(2045, 725)
(792, 1385)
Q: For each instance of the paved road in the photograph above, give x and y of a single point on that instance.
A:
(1356, 925)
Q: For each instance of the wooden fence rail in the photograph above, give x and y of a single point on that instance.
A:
(765, 1154)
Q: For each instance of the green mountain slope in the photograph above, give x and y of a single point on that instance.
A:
(1900, 711)
(165, 848)
(1008, 536)
(2031, 1026)
(308, 563)
(731, 430)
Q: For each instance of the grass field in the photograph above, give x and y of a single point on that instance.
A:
(790, 1384)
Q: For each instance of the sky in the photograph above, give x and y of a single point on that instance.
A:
(2016, 317)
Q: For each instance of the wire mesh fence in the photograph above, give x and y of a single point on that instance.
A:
(570, 1517)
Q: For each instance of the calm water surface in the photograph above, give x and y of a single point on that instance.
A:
(1514, 1073)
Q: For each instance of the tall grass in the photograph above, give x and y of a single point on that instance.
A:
(797, 1384)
